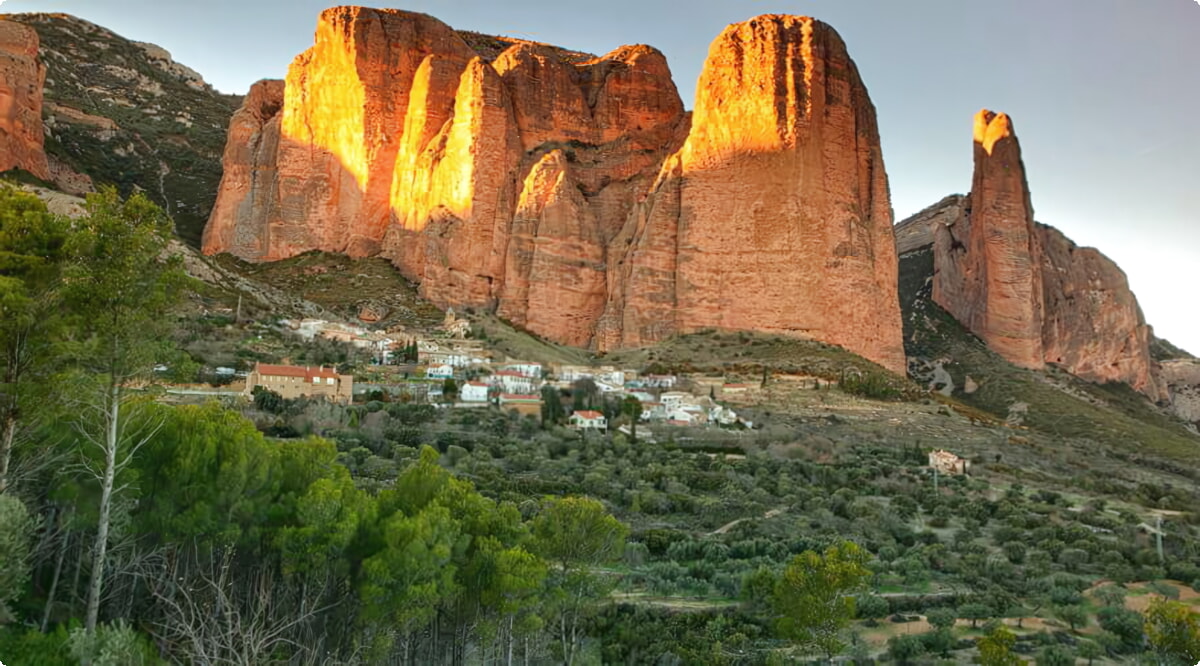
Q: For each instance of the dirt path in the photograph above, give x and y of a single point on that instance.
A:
(730, 525)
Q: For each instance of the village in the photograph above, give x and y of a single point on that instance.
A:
(449, 369)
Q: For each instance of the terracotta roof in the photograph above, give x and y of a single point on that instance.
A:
(307, 373)
(478, 384)
(589, 414)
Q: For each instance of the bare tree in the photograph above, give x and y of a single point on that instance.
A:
(219, 618)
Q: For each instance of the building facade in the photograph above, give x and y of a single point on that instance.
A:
(292, 381)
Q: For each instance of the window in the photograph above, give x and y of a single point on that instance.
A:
(329, 380)
(316, 380)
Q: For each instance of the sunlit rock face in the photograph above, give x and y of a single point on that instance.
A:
(988, 274)
(775, 214)
(1026, 290)
(21, 79)
(573, 194)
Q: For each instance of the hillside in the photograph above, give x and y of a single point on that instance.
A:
(124, 113)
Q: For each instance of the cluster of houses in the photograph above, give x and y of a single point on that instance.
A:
(462, 369)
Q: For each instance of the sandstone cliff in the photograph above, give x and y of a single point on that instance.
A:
(21, 78)
(988, 275)
(1026, 290)
(775, 214)
(571, 193)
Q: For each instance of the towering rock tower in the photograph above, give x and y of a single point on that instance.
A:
(1025, 289)
(990, 277)
(775, 213)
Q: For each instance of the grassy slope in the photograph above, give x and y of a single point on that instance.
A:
(1059, 404)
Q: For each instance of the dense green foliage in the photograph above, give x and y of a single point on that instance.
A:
(299, 531)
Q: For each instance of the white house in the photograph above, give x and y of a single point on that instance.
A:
(587, 419)
(722, 415)
(440, 371)
(473, 392)
(531, 370)
(511, 381)
(674, 399)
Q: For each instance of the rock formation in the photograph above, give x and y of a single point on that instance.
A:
(566, 192)
(1182, 378)
(21, 77)
(1093, 325)
(1025, 289)
(988, 273)
(775, 213)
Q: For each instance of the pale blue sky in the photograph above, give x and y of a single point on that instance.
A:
(1103, 94)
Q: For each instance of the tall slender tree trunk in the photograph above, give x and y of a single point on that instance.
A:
(6, 442)
(58, 565)
(111, 434)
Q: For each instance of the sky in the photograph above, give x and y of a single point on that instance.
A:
(1103, 94)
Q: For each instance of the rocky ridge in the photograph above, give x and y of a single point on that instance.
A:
(571, 193)
(1026, 290)
(124, 113)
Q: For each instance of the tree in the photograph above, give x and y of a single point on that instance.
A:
(552, 409)
(975, 612)
(905, 647)
(1173, 631)
(995, 649)
(449, 388)
(813, 599)
(1055, 655)
(941, 618)
(576, 535)
(1075, 616)
(632, 408)
(16, 536)
(871, 607)
(120, 289)
(584, 394)
(31, 251)
(1090, 650)
(1125, 626)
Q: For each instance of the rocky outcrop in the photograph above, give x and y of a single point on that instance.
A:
(251, 178)
(1093, 325)
(1026, 290)
(775, 213)
(1182, 379)
(123, 113)
(535, 181)
(21, 77)
(988, 273)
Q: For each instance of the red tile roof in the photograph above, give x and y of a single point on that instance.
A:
(308, 373)
(589, 414)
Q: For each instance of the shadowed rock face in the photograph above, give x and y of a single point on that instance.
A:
(21, 79)
(566, 191)
(1025, 289)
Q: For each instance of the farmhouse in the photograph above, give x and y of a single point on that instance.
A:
(587, 419)
(291, 381)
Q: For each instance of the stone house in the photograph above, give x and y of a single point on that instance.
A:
(947, 463)
(292, 382)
